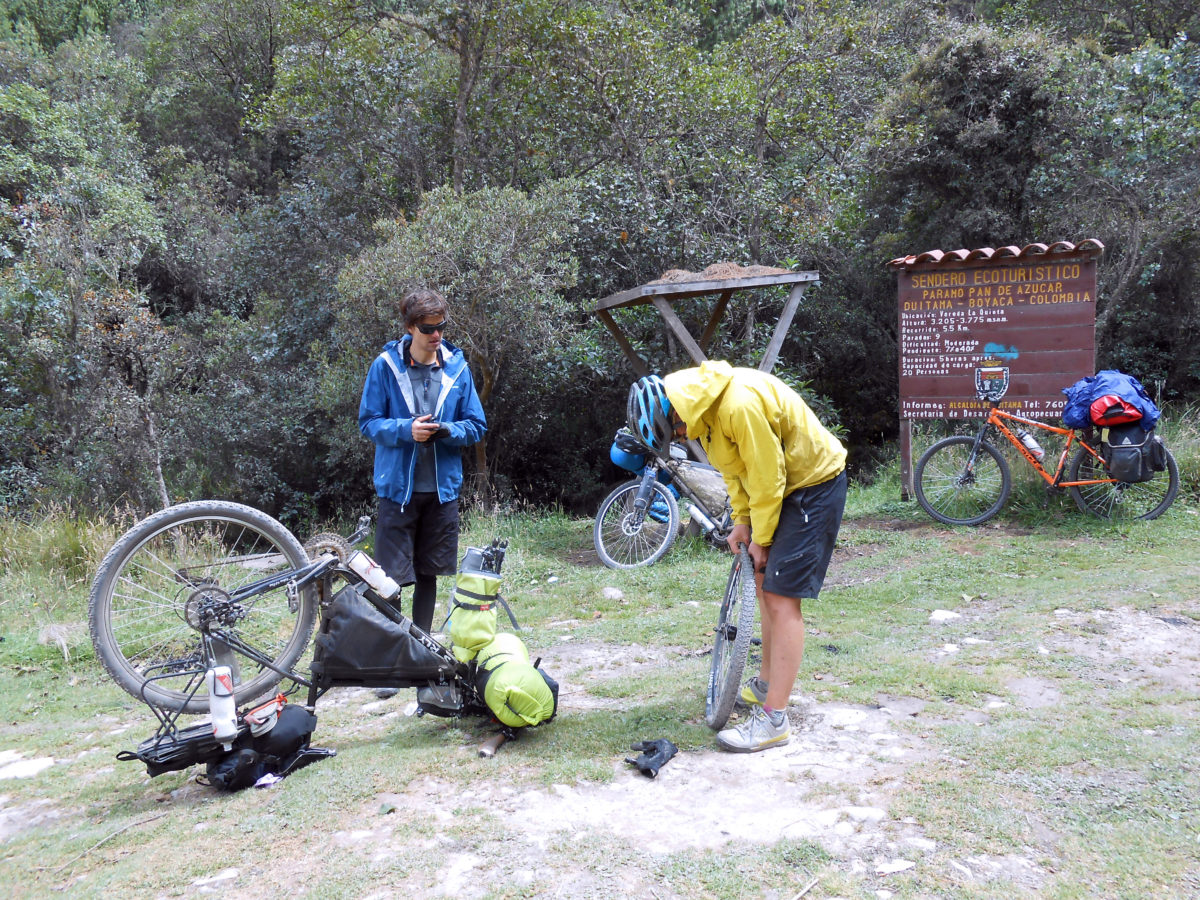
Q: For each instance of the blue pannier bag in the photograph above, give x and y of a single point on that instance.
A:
(1083, 393)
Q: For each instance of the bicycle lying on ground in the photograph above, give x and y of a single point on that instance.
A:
(639, 520)
(964, 480)
(210, 584)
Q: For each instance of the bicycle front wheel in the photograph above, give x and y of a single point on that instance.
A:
(626, 537)
(958, 486)
(731, 647)
(181, 570)
(1116, 499)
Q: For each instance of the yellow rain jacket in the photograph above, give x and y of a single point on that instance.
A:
(759, 433)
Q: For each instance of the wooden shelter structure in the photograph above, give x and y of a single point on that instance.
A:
(720, 279)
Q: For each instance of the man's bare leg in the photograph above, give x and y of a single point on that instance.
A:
(783, 621)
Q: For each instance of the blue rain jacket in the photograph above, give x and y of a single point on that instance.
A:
(385, 415)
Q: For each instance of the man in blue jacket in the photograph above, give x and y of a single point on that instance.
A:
(420, 408)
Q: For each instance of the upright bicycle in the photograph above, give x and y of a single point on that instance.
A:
(964, 480)
(639, 520)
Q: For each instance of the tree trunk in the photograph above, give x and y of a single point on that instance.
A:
(155, 455)
(472, 34)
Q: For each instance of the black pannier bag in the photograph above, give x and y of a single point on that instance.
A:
(1132, 454)
(360, 644)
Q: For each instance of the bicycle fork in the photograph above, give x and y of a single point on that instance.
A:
(968, 473)
(641, 503)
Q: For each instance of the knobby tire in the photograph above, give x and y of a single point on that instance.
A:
(625, 539)
(731, 646)
(170, 570)
(1120, 501)
(956, 491)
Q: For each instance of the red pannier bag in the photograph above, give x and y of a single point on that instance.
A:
(1112, 410)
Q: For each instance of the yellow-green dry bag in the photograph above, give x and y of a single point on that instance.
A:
(517, 692)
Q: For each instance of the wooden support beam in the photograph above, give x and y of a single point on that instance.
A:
(714, 320)
(679, 330)
(639, 364)
(781, 327)
(906, 466)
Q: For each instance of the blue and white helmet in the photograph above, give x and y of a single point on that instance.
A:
(649, 413)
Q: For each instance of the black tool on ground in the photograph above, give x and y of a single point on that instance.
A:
(654, 755)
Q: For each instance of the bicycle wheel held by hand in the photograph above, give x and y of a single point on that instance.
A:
(731, 647)
(190, 568)
(959, 486)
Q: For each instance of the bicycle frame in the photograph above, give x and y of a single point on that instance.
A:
(714, 521)
(995, 419)
(219, 645)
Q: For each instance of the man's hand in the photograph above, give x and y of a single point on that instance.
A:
(758, 555)
(423, 428)
(739, 535)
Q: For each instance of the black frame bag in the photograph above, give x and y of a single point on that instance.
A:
(363, 643)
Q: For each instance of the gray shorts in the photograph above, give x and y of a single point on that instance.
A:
(808, 528)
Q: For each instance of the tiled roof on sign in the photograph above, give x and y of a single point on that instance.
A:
(1091, 245)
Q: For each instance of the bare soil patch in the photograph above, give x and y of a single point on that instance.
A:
(835, 784)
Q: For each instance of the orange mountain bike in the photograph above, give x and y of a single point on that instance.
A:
(964, 480)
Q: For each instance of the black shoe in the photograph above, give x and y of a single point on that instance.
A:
(385, 693)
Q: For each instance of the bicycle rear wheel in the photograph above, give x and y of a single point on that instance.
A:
(626, 537)
(731, 647)
(181, 569)
(959, 487)
(1119, 500)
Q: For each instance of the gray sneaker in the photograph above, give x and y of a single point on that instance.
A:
(756, 733)
(751, 694)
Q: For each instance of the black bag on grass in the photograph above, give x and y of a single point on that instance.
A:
(279, 751)
(183, 749)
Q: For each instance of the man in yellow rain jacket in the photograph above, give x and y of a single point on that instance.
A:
(786, 478)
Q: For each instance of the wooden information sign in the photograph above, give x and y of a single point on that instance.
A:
(1031, 310)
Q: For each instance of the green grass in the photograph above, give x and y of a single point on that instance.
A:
(1092, 790)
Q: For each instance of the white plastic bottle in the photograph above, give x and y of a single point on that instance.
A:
(222, 706)
(695, 512)
(373, 574)
(1032, 445)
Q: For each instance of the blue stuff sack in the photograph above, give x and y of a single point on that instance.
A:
(627, 452)
(1083, 393)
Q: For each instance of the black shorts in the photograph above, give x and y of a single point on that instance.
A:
(420, 537)
(808, 528)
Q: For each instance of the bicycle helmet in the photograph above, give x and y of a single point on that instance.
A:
(649, 413)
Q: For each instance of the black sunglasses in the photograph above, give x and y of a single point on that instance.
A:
(440, 327)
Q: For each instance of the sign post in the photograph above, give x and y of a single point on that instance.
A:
(1031, 310)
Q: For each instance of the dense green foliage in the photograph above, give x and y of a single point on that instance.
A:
(209, 207)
